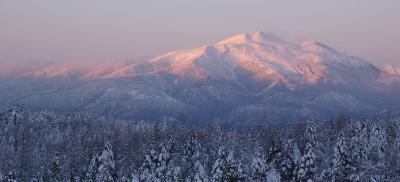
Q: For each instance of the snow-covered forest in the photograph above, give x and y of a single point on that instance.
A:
(48, 146)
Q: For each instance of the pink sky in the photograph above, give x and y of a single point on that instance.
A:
(47, 30)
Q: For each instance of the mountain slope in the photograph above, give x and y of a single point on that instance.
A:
(243, 79)
(263, 56)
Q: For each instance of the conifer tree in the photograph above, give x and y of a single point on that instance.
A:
(194, 169)
(200, 174)
(258, 167)
(102, 167)
(149, 167)
(15, 114)
(342, 165)
(55, 170)
(360, 147)
(225, 167)
(311, 134)
(378, 142)
(306, 167)
(273, 174)
(11, 177)
(290, 157)
(158, 165)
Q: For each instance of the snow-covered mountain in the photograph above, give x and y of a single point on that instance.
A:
(245, 78)
(391, 69)
(390, 74)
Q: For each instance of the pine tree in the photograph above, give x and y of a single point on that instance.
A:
(311, 134)
(359, 143)
(11, 177)
(165, 169)
(75, 173)
(158, 166)
(134, 174)
(378, 148)
(238, 172)
(296, 154)
(55, 171)
(378, 142)
(190, 158)
(225, 167)
(106, 170)
(218, 169)
(200, 174)
(258, 167)
(176, 174)
(149, 167)
(342, 164)
(164, 157)
(102, 167)
(272, 174)
(191, 149)
(15, 114)
(290, 157)
(306, 167)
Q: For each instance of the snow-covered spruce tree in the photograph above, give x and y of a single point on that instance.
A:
(225, 168)
(200, 174)
(148, 171)
(258, 166)
(238, 171)
(158, 165)
(56, 173)
(194, 169)
(320, 151)
(296, 154)
(392, 155)
(311, 134)
(10, 139)
(75, 175)
(218, 170)
(167, 169)
(378, 146)
(359, 147)
(343, 168)
(306, 168)
(11, 177)
(91, 172)
(396, 154)
(272, 174)
(102, 167)
(289, 158)
(378, 143)
(134, 177)
(287, 169)
(164, 157)
(15, 113)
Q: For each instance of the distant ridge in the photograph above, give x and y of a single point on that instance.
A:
(242, 79)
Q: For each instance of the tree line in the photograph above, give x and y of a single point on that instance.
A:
(49, 146)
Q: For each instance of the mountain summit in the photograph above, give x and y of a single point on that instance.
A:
(244, 78)
(260, 56)
(258, 37)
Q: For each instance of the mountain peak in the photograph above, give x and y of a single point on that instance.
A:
(236, 39)
(258, 37)
(314, 46)
(264, 37)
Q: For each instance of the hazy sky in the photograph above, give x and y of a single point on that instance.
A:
(34, 30)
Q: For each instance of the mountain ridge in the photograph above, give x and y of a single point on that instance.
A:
(248, 77)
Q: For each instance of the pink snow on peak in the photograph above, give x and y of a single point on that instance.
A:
(261, 56)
